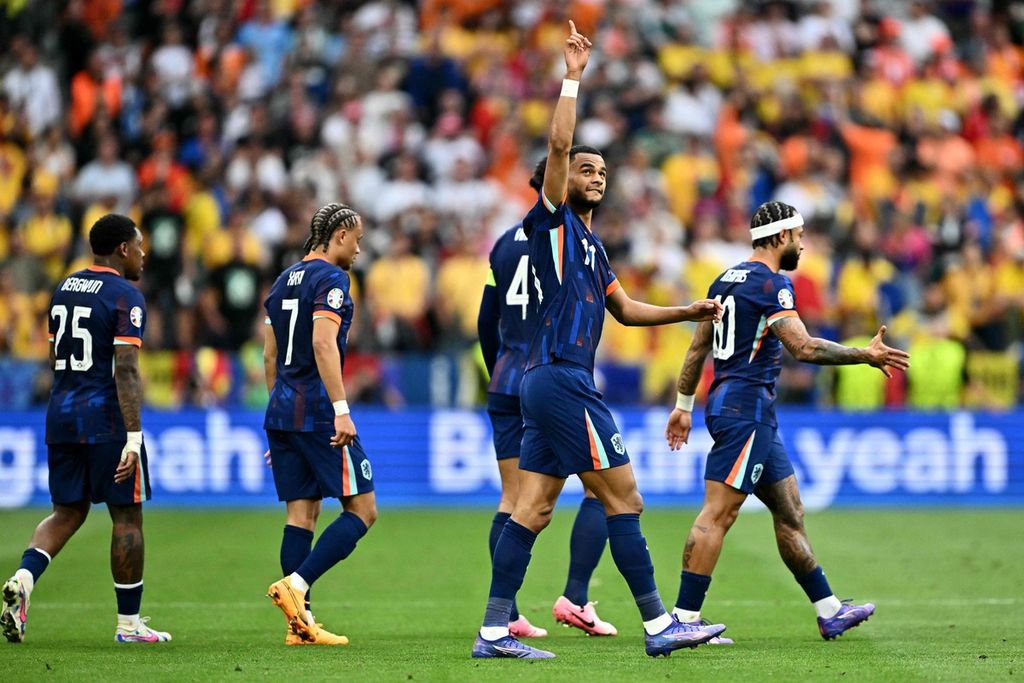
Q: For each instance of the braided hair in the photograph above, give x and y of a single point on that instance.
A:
(769, 212)
(326, 220)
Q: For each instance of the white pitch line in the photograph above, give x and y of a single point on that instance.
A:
(421, 604)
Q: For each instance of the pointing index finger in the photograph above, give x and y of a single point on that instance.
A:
(572, 27)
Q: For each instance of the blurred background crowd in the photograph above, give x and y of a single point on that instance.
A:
(220, 126)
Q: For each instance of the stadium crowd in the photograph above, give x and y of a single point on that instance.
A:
(221, 125)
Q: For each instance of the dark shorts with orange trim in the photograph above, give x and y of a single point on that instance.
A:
(567, 428)
(307, 467)
(506, 424)
(746, 454)
(85, 472)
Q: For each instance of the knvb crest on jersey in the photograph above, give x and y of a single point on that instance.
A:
(367, 470)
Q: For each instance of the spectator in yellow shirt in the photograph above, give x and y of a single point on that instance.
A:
(46, 234)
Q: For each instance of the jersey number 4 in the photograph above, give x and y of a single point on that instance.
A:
(724, 344)
(60, 314)
(518, 293)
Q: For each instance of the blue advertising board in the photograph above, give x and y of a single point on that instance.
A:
(445, 457)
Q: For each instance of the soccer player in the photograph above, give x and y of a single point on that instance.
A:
(567, 428)
(94, 440)
(759, 318)
(505, 326)
(314, 450)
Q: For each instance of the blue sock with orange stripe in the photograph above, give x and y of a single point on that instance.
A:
(296, 544)
(589, 535)
(335, 544)
(497, 524)
(629, 550)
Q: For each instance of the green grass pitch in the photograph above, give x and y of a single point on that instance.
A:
(948, 585)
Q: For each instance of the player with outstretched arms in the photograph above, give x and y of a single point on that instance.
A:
(95, 449)
(314, 452)
(505, 326)
(759, 318)
(567, 427)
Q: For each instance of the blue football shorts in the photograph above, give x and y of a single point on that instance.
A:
(567, 427)
(746, 454)
(506, 424)
(307, 467)
(85, 472)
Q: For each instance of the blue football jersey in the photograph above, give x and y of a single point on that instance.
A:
(91, 311)
(747, 357)
(510, 271)
(571, 278)
(312, 288)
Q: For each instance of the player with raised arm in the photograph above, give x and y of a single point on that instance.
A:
(94, 440)
(567, 427)
(505, 325)
(759, 318)
(314, 450)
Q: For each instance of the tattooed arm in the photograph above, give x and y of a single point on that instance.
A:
(794, 336)
(677, 432)
(129, 385)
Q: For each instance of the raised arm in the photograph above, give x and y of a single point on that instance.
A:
(638, 314)
(793, 334)
(677, 432)
(129, 396)
(563, 121)
(328, 364)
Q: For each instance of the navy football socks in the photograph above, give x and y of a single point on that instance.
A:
(511, 558)
(335, 544)
(589, 535)
(497, 524)
(692, 590)
(296, 544)
(629, 550)
(34, 562)
(129, 598)
(815, 584)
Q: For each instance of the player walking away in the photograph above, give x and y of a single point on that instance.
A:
(567, 428)
(94, 440)
(759, 318)
(505, 327)
(314, 449)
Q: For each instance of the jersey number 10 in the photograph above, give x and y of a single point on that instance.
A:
(724, 344)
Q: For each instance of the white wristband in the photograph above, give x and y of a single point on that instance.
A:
(134, 442)
(570, 88)
(340, 408)
(684, 402)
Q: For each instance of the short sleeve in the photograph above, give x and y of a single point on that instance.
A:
(543, 216)
(130, 322)
(779, 299)
(329, 296)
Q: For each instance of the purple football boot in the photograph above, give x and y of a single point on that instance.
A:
(846, 618)
(507, 648)
(678, 636)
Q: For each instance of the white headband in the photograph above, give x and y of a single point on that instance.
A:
(775, 227)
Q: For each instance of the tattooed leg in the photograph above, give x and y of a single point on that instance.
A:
(783, 499)
(127, 549)
(704, 544)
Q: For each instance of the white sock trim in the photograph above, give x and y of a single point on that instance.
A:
(43, 553)
(493, 633)
(127, 586)
(298, 583)
(658, 624)
(129, 620)
(686, 616)
(27, 581)
(827, 607)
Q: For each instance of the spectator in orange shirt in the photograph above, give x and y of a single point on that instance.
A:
(162, 167)
(999, 150)
(91, 88)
